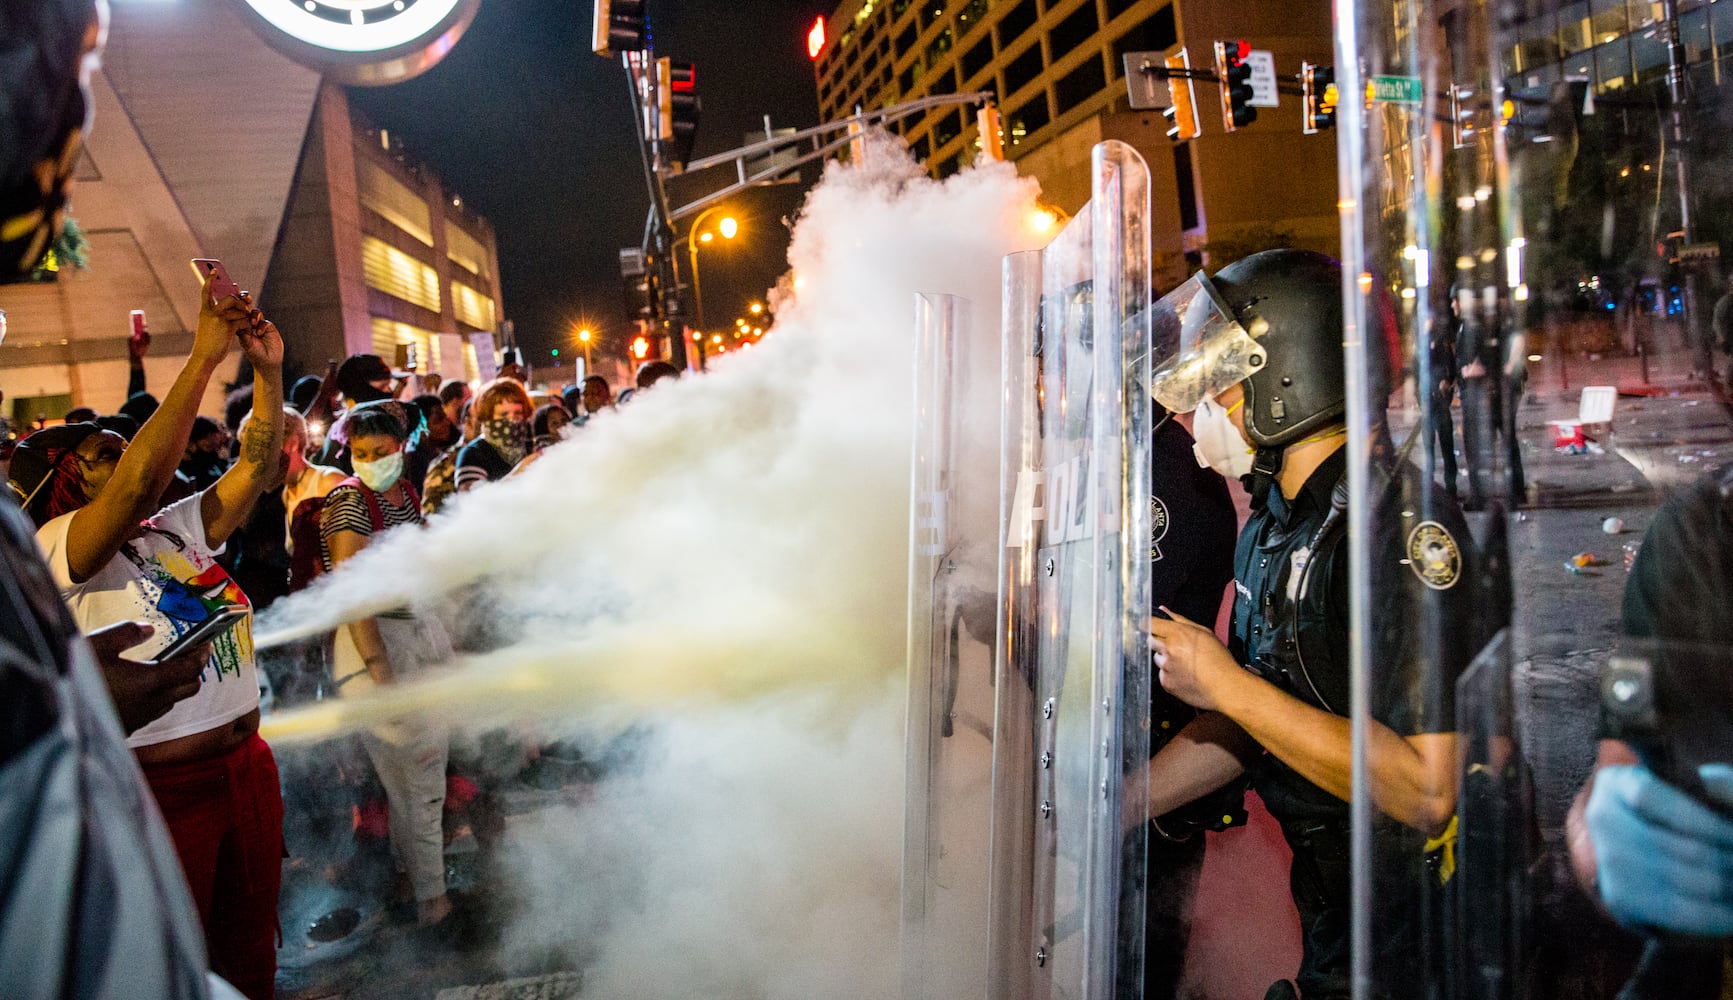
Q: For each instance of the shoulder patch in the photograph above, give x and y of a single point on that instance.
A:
(1434, 556)
(1158, 525)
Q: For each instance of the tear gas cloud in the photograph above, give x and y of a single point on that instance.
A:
(724, 563)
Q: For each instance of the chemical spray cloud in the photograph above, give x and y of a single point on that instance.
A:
(724, 562)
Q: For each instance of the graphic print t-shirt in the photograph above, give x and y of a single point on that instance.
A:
(168, 577)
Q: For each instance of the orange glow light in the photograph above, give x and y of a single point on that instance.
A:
(815, 39)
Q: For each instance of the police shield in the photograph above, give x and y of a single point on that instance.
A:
(953, 560)
(1072, 663)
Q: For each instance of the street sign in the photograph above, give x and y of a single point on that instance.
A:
(1397, 90)
(1263, 66)
(1146, 80)
(1701, 251)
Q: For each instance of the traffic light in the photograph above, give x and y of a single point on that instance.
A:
(638, 272)
(1181, 112)
(992, 133)
(677, 94)
(1318, 86)
(620, 26)
(640, 347)
(1236, 82)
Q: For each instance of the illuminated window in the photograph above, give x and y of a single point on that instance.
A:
(471, 306)
(389, 334)
(466, 251)
(396, 273)
(391, 198)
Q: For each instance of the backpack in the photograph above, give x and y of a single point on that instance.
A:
(307, 561)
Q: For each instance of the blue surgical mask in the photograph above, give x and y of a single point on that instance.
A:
(380, 474)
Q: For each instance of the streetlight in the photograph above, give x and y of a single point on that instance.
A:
(584, 341)
(729, 227)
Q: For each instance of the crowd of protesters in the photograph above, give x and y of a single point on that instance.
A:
(156, 518)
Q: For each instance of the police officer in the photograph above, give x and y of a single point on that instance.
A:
(1263, 342)
(1192, 526)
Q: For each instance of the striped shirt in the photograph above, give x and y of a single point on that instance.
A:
(346, 510)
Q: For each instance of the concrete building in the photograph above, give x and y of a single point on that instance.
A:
(208, 143)
(1057, 70)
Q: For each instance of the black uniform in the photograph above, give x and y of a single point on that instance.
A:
(1193, 523)
(1291, 627)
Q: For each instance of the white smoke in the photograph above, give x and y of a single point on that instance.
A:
(727, 558)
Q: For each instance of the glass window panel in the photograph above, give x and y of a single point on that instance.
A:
(971, 16)
(1648, 55)
(1721, 24)
(1016, 21)
(1024, 68)
(1613, 64)
(1080, 84)
(1607, 20)
(939, 47)
(1076, 29)
(1027, 120)
(978, 58)
(932, 12)
(1574, 32)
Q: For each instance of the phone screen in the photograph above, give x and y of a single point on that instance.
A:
(218, 623)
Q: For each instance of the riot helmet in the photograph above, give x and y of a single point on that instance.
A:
(1292, 301)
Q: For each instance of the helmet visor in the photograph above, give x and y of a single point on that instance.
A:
(1200, 349)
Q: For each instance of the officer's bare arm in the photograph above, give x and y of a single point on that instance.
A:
(1413, 777)
(1208, 753)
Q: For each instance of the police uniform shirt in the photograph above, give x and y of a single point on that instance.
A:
(1192, 529)
(1291, 611)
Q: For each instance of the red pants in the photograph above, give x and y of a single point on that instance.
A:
(225, 814)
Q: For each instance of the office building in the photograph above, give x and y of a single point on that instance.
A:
(1056, 69)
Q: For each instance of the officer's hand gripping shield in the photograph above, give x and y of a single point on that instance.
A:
(1072, 667)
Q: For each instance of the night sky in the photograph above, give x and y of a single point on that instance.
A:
(534, 131)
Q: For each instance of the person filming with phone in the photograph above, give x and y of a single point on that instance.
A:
(117, 557)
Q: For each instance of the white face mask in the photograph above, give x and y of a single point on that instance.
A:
(382, 474)
(1219, 445)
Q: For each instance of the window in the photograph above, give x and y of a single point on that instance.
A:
(906, 41)
(1186, 186)
(952, 164)
(1118, 7)
(388, 335)
(392, 199)
(1073, 31)
(466, 251)
(932, 12)
(1575, 34)
(946, 83)
(471, 306)
(948, 127)
(898, 6)
(1607, 19)
(1024, 68)
(1156, 34)
(1016, 21)
(1080, 84)
(1027, 120)
(918, 149)
(978, 58)
(971, 16)
(939, 48)
(390, 270)
(906, 81)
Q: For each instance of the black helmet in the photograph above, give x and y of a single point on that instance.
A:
(1291, 302)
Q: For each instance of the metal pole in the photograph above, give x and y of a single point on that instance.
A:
(642, 81)
(1678, 94)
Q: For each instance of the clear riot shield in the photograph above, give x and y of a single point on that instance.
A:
(953, 568)
(1073, 663)
(1534, 212)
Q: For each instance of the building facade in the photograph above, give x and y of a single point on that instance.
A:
(348, 243)
(1056, 69)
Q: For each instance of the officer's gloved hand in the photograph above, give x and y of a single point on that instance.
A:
(1664, 860)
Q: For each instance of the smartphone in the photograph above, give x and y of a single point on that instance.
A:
(219, 622)
(222, 284)
(138, 329)
(408, 357)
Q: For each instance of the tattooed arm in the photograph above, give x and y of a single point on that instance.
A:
(226, 505)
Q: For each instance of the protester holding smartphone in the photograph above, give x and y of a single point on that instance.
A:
(117, 557)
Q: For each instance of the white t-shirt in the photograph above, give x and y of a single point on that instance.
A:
(168, 577)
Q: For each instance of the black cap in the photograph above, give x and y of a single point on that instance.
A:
(40, 455)
(305, 390)
(358, 372)
(139, 406)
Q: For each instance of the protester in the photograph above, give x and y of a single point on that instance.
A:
(79, 415)
(454, 396)
(409, 754)
(440, 431)
(139, 406)
(651, 372)
(502, 416)
(202, 462)
(548, 425)
(597, 395)
(117, 557)
(119, 423)
(440, 483)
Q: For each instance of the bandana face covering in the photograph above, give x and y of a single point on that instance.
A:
(511, 438)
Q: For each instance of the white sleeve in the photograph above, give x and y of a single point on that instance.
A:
(186, 519)
(51, 538)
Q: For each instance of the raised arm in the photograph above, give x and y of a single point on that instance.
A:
(100, 527)
(225, 505)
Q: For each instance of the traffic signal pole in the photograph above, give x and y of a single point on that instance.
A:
(646, 111)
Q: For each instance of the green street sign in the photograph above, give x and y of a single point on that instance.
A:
(1396, 89)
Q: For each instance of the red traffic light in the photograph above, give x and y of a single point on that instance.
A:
(815, 39)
